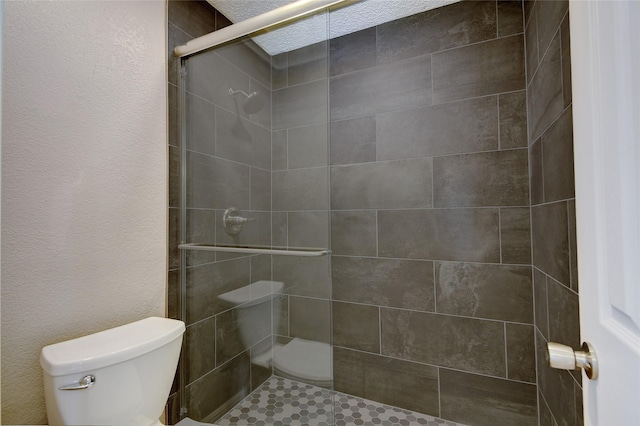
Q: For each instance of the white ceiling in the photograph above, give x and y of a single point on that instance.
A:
(344, 20)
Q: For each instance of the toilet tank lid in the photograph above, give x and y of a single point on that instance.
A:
(110, 346)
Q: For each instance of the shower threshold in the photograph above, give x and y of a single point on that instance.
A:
(280, 401)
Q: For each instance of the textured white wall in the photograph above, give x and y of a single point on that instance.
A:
(84, 172)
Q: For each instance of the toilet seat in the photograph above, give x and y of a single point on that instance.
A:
(304, 360)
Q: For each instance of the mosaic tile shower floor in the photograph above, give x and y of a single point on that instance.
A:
(281, 402)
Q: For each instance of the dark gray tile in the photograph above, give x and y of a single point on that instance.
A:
(550, 238)
(260, 373)
(541, 305)
(308, 147)
(556, 386)
(174, 238)
(356, 326)
(279, 229)
(391, 381)
(310, 319)
(481, 400)
(216, 90)
(400, 85)
(515, 235)
(385, 282)
(254, 233)
(216, 183)
(510, 17)
(513, 120)
(565, 45)
(557, 159)
(564, 315)
(500, 292)
(240, 140)
(463, 343)
(579, 405)
(240, 328)
(438, 29)
(352, 52)
(200, 349)
(201, 125)
(308, 229)
(175, 37)
(174, 176)
(279, 150)
(536, 175)
(354, 233)
(260, 113)
(201, 229)
(573, 244)
(250, 58)
(195, 17)
(353, 141)
(173, 116)
(531, 41)
(546, 418)
(280, 305)
(279, 71)
(544, 94)
(453, 128)
(173, 294)
(390, 184)
(521, 352)
(498, 178)
(220, 390)
(301, 189)
(206, 282)
(480, 69)
(308, 63)
(550, 15)
(528, 10)
(299, 105)
(260, 189)
(303, 276)
(260, 268)
(443, 234)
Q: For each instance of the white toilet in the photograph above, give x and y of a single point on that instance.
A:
(302, 360)
(120, 376)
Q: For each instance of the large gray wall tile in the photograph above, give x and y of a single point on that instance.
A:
(279, 150)
(356, 326)
(390, 184)
(480, 69)
(564, 314)
(249, 57)
(353, 141)
(385, 282)
(354, 233)
(463, 343)
(498, 178)
(442, 234)
(216, 183)
(303, 276)
(206, 282)
(400, 383)
(550, 238)
(439, 129)
(515, 235)
(201, 229)
(438, 29)
(240, 140)
(308, 229)
(260, 189)
(540, 298)
(395, 86)
(300, 105)
(536, 173)
(301, 189)
(310, 319)
(557, 159)
(199, 355)
(308, 63)
(240, 328)
(513, 120)
(308, 146)
(565, 39)
(201, 125)
(352, 52)
(501, 292)
(480, 400)
(531, 41)
(510, 17)
(195, 17)
(544, 100)
(550, 14)
(521, 352)
(573, 244)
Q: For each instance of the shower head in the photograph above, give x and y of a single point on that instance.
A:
(253, 103)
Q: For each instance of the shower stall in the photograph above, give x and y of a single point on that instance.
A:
(358, 228)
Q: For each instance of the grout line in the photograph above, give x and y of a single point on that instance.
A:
(439, 394)
(506, 353)
(500, 233)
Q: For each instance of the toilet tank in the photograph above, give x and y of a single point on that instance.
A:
(133, 366)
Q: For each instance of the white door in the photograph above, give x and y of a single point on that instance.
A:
(605, 50)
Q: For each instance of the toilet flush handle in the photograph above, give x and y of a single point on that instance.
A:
(85, 383)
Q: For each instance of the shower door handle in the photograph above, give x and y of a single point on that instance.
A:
(564, 357)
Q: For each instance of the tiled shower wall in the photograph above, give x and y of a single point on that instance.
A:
(555, 270)
(431, 265)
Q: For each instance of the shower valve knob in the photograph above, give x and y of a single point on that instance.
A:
(233, 220)
(564, 357)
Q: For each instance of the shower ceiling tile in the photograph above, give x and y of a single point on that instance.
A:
(355, 16)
